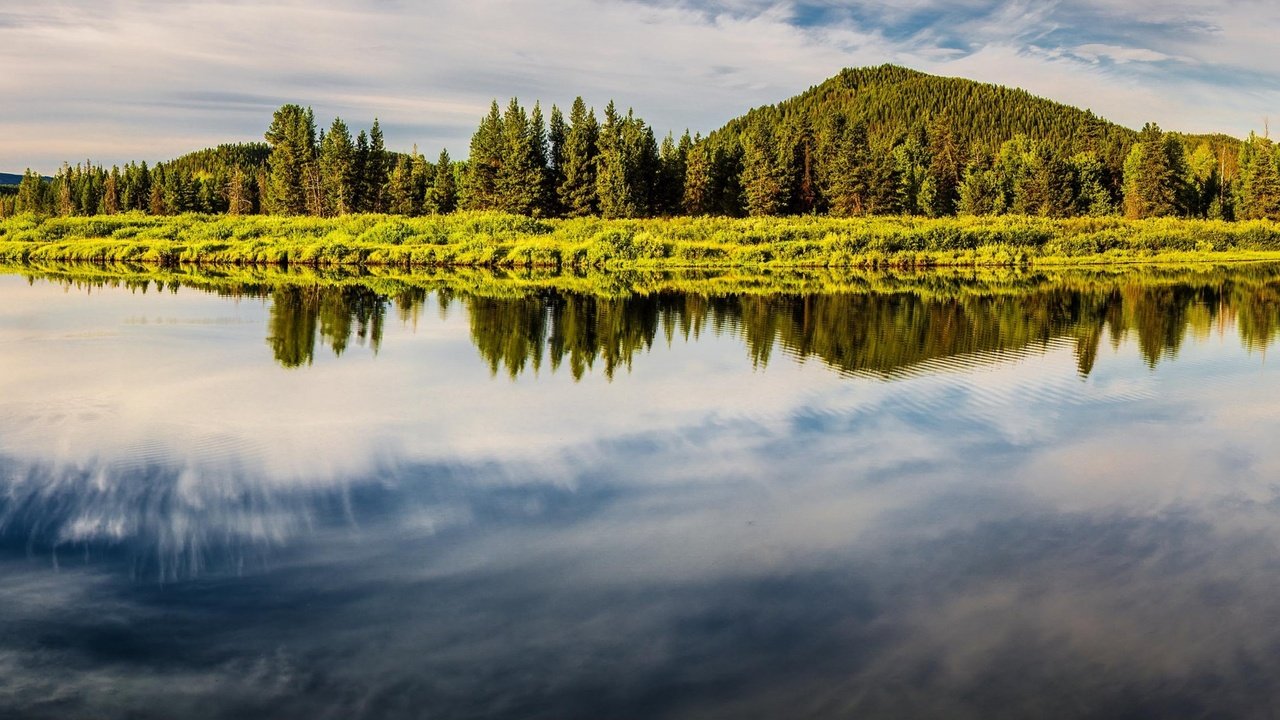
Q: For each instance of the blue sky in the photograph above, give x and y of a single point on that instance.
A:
(114, 80)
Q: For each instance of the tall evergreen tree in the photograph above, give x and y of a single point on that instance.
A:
(577, 189)
(844, 169)
(360, 167)
(399, 190)
(764, 178)
(292, 139)
(338, 170)
(487, 153)
(1260, 180)
(1156, 174)
(557, 135)
(519, 180)
(444, 192)
(540, 156)
(946, 167)
(699, 179)
(377, 167)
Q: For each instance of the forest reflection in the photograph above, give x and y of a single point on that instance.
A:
(878, 325)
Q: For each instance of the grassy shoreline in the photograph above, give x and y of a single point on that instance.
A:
(485, 240)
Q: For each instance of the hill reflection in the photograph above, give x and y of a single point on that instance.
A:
(881, 325)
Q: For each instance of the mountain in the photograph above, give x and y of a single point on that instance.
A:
(10, 178)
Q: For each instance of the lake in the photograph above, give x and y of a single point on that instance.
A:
(964, 495)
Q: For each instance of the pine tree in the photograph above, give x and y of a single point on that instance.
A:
(422, 177)
(699, 181)
(360, 168)
(946, 166)
(444, 193)
(520, 176)
(111, 193)
(577, 191)
(377, 167)
(911, 167)
(1260, 180)
(843, 172)
(557, 134)
(980, 191)
(1155, 175)
(611, 170)
(487, 152)
(763, 176)
(291, 136)
(31, 194)
(337, 169)
(399, 190)
(544, 199)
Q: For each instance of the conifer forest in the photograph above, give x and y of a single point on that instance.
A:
(877, 141)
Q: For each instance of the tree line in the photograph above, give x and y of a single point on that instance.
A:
(837, 150)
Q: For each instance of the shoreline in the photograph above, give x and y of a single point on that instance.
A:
(495, 241)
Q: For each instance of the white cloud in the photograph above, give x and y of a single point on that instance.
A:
(140, 79)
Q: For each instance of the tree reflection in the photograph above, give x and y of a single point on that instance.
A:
(865, 324)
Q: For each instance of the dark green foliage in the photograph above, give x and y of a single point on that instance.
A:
(1260, 180)
(487, 152)
(765, 176)
(376, 168)
(1156, 176)
(338, 170)
(844, 169)
(292, 136)
(577, 189)
(443, 197)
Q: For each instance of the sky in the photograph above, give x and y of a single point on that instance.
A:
(120, 80)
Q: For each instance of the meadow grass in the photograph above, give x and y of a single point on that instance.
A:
(488, 240)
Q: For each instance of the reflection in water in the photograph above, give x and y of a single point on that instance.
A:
(1016, 495)
(879, 331)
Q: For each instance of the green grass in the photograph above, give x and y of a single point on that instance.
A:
(504, 241)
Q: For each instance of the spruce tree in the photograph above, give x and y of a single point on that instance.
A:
(843, 172)
(1260, 180)
(763, 177)
(519, 178)
(444, 193)
(611, 168)
(487, 152)
(399, 189)
(946, 165)
(377, 167)
(577, 189)
(338, 170)
(360, 167)
(1156, 173)
(557, 134)
(422, 177)
(699, 180)
(544, 187)
(291, 136)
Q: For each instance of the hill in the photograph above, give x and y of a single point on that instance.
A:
(893, 101)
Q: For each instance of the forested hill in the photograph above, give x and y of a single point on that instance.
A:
(869, 141)
(892, 101)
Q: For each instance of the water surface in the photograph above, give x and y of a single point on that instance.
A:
(243, 494)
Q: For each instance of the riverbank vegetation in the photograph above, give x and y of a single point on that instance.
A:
(510, 241)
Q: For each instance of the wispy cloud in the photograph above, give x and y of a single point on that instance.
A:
(124, 79)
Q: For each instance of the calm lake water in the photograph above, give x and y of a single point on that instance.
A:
(962, 496)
